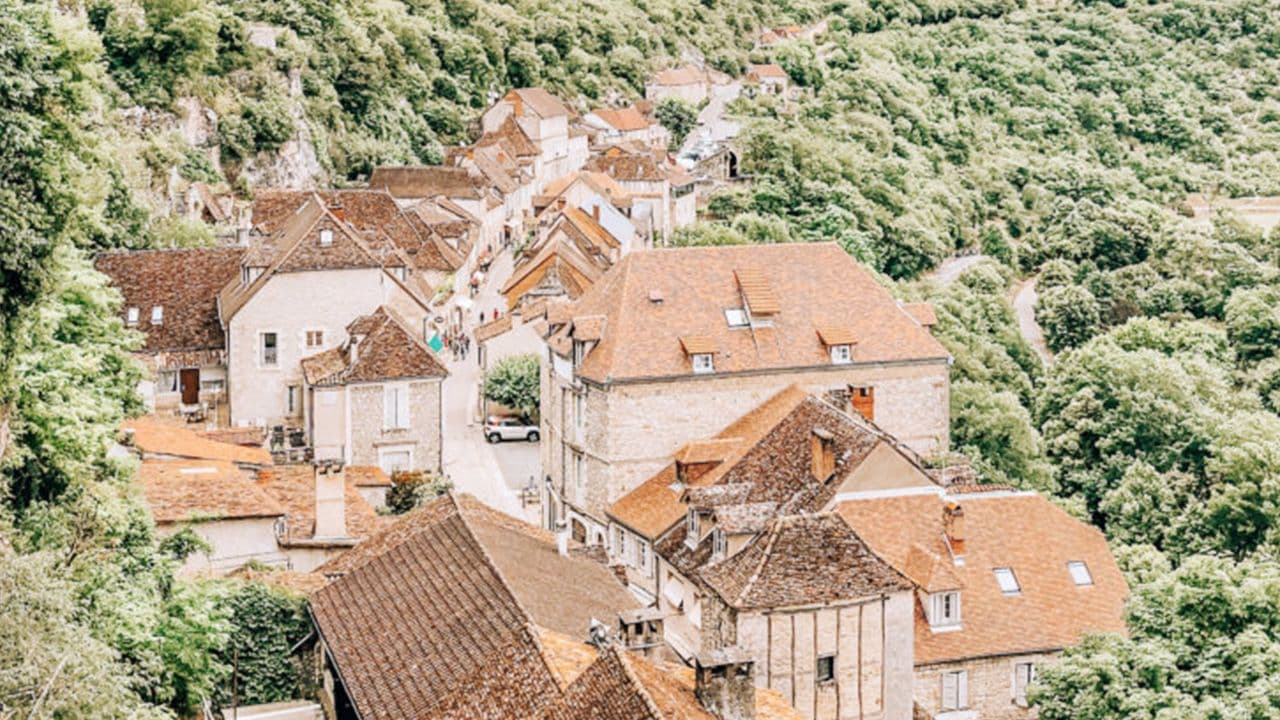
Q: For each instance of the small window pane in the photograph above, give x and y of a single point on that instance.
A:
(702, 363)
(133, 316)
(326, 237)
(826, 668)
(1008, 581)
(1080, 574)
(269, 349)
(157, 315)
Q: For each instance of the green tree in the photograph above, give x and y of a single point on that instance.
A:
(514, 382)
(1253, 322)
(1069, 316)
(678, 117)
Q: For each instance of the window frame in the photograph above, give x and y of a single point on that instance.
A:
(131, 316)
(1000, 574)
(939, 619)
(719, 544)
(1072, 565)
(307, 337)
(292, 399)
(395, 407)
(960, 690)
(157, 314)
(326, 237)
(821, 675)
(841, 355)
(703, 363)
(274, 362)
(167, 387)
(1019, 685)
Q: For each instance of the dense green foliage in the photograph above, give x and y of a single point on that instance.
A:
(514, 382)
(265, 625)
(410, 490)
(678, 117)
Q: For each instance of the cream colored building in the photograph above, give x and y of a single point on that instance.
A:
(296, 293)
(376, 399)
(544, 118)
(670, 343)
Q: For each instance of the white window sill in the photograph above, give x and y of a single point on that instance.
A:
(957, 715)
(936, 629)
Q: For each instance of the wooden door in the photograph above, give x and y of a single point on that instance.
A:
(864, 401)
(189, 385)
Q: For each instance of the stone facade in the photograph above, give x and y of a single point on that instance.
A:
(871, 641)
(232, 542)
(625, 433)
(290, 305)
(990, 684)
(372, 444)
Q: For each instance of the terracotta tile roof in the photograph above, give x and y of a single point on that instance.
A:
(623, 119)
(626, 166)
(589, 229)
(154, 437)
(511, 135)
(588, 327)
(293, 487)
(599, 182)
(426, 181)
(366, 211)
(746, 517)
(492, 329)
(687, 75)
(199, 490)
(387, 350)
(802, 560)
(922, 312)
(185, 283)
(291, 580)
(1017, 530)
(710, 496)
(575, 270)
(367, 476)
(539, 102)
(435, 615)
(831, 336)
(760, 72)
(815, 285)
(251, 437)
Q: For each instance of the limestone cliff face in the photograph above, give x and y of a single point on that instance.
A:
(295, 165)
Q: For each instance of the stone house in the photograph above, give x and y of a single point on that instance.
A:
(735, 542)
(691, 84)
(510, 621)
(325, 511)
(648, 176)
(462, 187)
(498, 166)
(297, 291)
(376, 399)
(152, 438)
(1005, 580)
(599, 195)
(628, 124)
(671, 342)
(767, 79)
(544, 119)
(170, 297)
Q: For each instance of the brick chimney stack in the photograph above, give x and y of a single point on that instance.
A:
(822, 447)
(723, 683)
(338, 211)
(331, 501)
(953, 526)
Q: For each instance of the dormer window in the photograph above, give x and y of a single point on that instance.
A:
(719, 544)
(157, 315)
(1080, 574)
(703, 364)
(736, 318)
(326, 237)
(579, 352)
(249, 274)
(131, 317)
(944, 610)
(692, 527)
(841, 355)
(1008, 581)
(839, 342)
(700, 349)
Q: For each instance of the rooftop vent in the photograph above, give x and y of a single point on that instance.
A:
(655, 296)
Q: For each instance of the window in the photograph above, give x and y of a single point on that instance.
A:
(840, 355)
(579, 474)
(393, 461)
(1023, 675)
(1080, 574)
(1008, 581)
(736, 317)
(326, 237)
(579, 414)
(642, 558)
(291, 399)
(167, 381)
(826, 670)
(579, 351)
(401, 273)
(719, 544)
(315, 338)
(131, 317)
(157, 315)
(395, 407)
(702, 363)
(691, 528)
(944, 609)
(619, 542)
(249, 274)
(955, 690)
(270, 349)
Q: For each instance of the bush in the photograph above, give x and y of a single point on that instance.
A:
(410, 490)
(515, 382)
(678, 117)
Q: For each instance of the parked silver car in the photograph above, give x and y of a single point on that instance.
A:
(499, 428)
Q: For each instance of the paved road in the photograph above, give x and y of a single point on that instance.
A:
(951, 268)
(1024, 308)
(492, 473)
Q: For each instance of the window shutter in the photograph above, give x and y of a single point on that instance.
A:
(948, 691)
(402, 406)
(389, 406)
(962, 691)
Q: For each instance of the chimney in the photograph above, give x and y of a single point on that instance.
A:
(331, 503)
(822, 446)
(953, 526)
(338, 211)
(595, 212)
(723, 683)
(242, 236)
(517, 105)
(641, 630)
(471, 153)
(562, 538)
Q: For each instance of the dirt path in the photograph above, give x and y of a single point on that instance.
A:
(1023, 299)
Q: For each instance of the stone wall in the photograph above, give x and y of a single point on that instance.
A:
(421, 438)
(991, 691)
(632, 430)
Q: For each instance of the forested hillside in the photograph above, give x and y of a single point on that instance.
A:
(1058, 138)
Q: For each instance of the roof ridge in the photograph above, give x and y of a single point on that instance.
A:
(464, 516)
(774, 530)
(650, 704)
